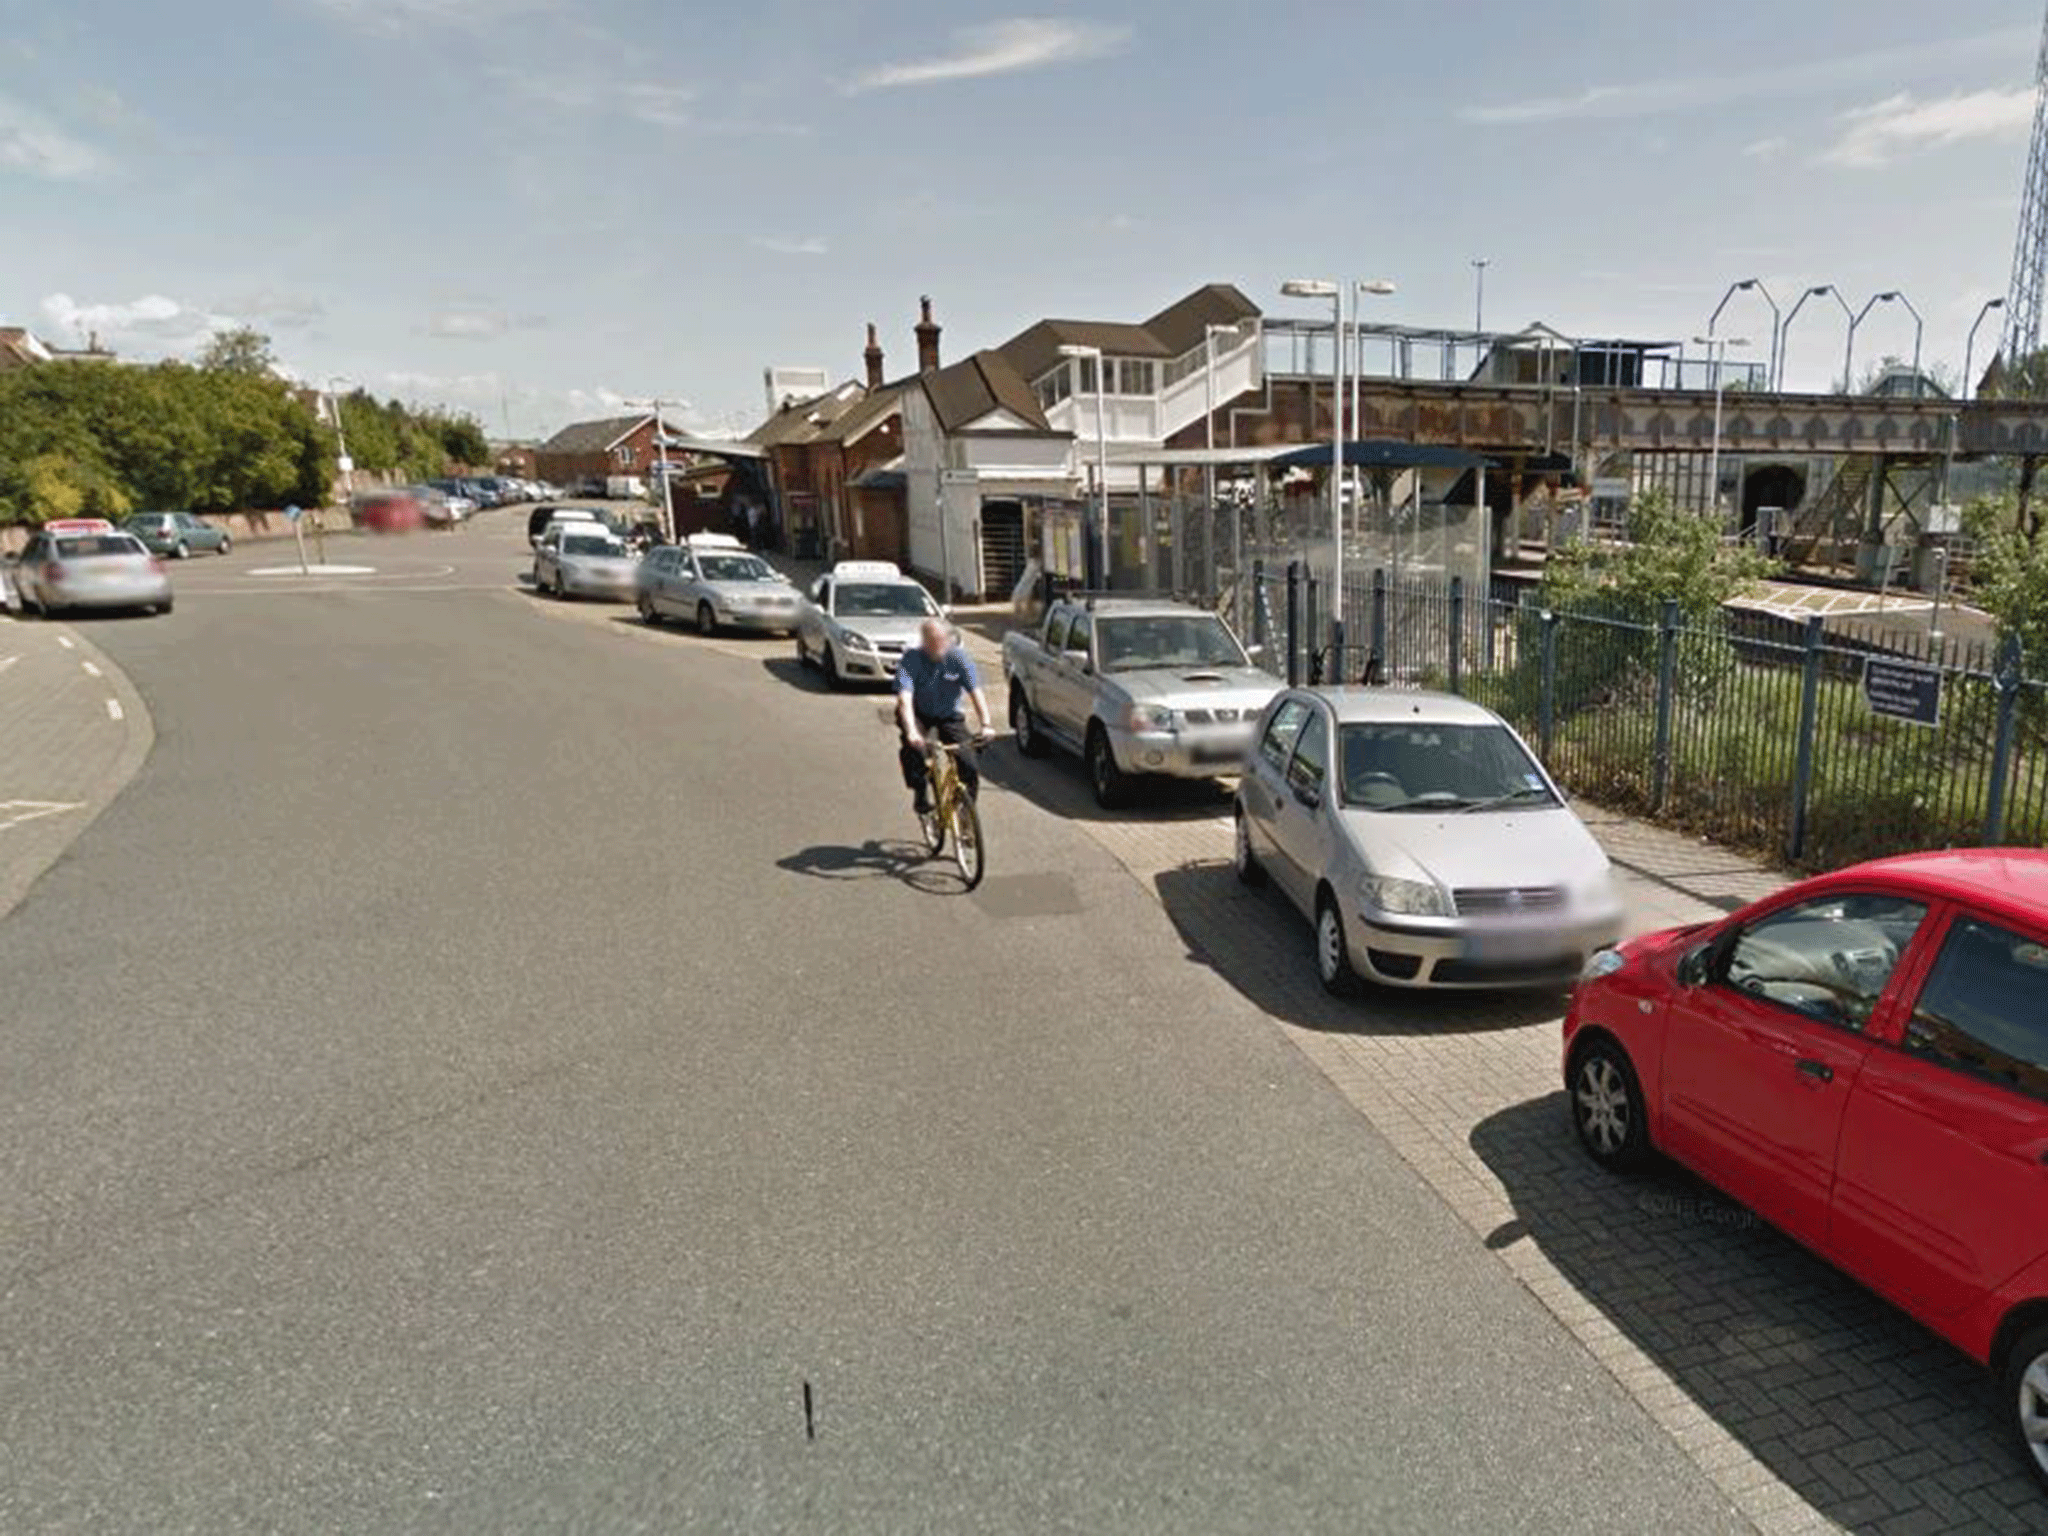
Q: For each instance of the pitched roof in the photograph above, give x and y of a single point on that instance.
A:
(1179, 328)
(805, 421)
(593, 436)
(975, 386)
(1184, 325)
(867, 414)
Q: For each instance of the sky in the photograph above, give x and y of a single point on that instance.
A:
(539, 210)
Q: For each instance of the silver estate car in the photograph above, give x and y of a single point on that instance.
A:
(1424, 841)
(66, 568)
(584, 560)
(860, 619)
(714, 582)
(177, 534)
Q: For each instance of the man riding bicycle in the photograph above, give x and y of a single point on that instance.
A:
(934, 681)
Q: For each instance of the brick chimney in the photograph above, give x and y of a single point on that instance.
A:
(927, 338)
(874, 358)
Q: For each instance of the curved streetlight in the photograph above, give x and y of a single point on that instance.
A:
(1756, 286)
(1785, 331)
(1098, 541)
(1970, 351)
(1890, 296)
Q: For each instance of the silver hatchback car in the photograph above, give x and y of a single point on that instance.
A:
(1424, 841)
(85, 564)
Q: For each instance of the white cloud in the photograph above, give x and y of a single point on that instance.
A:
(1648, 98)
(658, 104)
(1772, 148)
(400, 16)
(34, 146)
(1873, 136)
(477, 322)
(792, 245)
(153, 323)
(1001, 48)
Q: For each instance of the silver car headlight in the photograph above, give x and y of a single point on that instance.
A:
(1405, 898)
(855, 641)
(1603, 962)
(1149, 718)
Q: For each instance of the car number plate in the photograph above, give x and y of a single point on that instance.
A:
(1513, 946)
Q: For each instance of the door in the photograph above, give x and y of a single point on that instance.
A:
(1264, 789)
(1069, 692)
(1761, 1059)
(1943, 1192)
(1300, 822)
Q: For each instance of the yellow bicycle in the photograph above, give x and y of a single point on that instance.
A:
(953, 818)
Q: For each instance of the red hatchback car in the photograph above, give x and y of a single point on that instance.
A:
(1863, 1060)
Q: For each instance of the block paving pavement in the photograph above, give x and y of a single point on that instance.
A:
(1811, 1403)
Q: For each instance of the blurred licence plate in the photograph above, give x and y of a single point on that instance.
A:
(1217, 750)
(1514, 946)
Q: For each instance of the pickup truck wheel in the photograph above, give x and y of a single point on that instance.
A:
(1023, 724)
(1111, 784)
(1249, 870)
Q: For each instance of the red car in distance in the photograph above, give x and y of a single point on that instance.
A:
(1862, 1059)
(390, 512)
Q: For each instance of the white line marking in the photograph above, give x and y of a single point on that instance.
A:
(7, 661)
(114, 709)
(91, 670)
(65, 641)
(14, 812)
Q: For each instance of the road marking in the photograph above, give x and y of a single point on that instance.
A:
(114, 709)
(66, 642)
(14, 812)
(91, 670)
(7, 661)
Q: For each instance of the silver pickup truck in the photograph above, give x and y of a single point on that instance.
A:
(1136, 688)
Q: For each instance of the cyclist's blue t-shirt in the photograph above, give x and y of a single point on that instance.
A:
(938, 689)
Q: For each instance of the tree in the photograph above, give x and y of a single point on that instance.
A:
(2011, 584)
(1671, 555)
(463, 441)
(239, 349)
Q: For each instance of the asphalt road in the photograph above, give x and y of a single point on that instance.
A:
(489, 1063)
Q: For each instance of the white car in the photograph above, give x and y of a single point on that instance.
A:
(862, 616)
(714, 581)
(1421, 837)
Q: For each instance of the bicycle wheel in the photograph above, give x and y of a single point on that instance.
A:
(967, 846)
(933, 826)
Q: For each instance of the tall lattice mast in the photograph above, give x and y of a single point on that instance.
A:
(2030, 254)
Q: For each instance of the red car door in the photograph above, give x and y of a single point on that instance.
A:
(1942, 1193)
(1761, 1058)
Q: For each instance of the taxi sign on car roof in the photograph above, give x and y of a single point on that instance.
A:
(713, 541)
(78, 525)
(881, 569)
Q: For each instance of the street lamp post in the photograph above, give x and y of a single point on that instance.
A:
(347, 465)
(1717, 355)
(1756, 286)
(668, 517)
(1209, 334)
(1890, 296)
(1785, 332)
(1970, 351)
(1479, 266)
(1098, 541)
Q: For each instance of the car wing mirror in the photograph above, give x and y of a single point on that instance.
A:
(1695, 966)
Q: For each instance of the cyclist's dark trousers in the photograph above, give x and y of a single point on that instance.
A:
(954, 733)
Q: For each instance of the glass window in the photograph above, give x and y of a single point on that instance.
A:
(1079, 636)
(1830, 958)
(1133, 377)
(1087, 372)
(1982, 1012)
(1168, 641)
(1283, 733)
(1419, 767)
(1056, 634)
(1310, 765)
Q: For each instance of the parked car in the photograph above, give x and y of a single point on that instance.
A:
(583, 560)
(713, 581)
(548, 513)
(1421, 837)
(442, 508)
(1862, 1059)
(389, 512)
(177, 534)
(625, 488)
(87, 563)
(859, 619)
(1136, 688)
